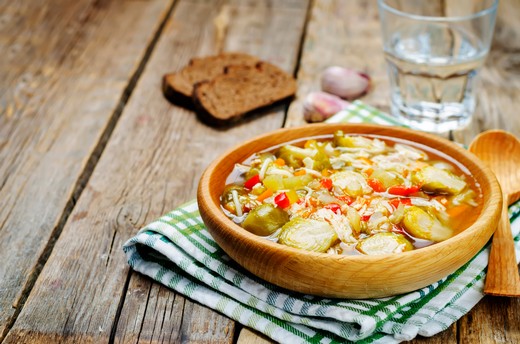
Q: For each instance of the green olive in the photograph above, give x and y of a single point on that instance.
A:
(308, 234)
(265, 219)
(384, 243)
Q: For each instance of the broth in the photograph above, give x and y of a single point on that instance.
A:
(411, 195)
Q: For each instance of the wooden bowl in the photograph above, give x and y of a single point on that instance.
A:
(338, 275)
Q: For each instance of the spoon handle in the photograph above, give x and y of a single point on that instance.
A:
(502, 274)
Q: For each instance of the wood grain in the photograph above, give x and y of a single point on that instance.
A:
(59, 93)
(500, 150)
(493, 320)
(342, 33)
(497, 95)
(151, 164)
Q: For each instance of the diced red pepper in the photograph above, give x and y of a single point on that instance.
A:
(282, 200)
(365, 217)
(406, 201)
(402, 190)
(376, 185)
(396, 201)
(334, 207)
(326, 183)
(346, 199)
(252, 181)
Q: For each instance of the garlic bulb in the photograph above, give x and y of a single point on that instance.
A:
(345, 83)
(318, 106)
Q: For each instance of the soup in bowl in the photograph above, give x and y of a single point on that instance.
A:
(349, 210)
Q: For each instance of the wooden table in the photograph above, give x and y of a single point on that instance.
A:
(90, 150)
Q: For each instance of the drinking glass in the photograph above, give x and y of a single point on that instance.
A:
(434, 50)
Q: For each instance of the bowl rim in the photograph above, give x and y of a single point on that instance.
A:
(228, 225)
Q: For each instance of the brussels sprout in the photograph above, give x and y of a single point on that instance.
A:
(342, 140)
(388, 179)
(384, 243)
(308, 234)
(293, 155)
(433, 179)
(264, 156)
(253, 171)
(352, 183)
(321, 161)
(423, 225)
(265, 219)
(227, 196)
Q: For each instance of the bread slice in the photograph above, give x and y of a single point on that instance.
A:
(240, 90)
(178, 87)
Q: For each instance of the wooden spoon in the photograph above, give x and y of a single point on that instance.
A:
(501, 151)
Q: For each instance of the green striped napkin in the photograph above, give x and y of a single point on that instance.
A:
(177, 251)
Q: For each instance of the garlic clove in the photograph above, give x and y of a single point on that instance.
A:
(344, 82)
(318, 106)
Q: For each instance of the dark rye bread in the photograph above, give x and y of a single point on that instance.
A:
(178, 87)
(240, 90)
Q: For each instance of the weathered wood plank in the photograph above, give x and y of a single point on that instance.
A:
(497, 100)
(65, 66)
(240, 26)
(151, 164)
(342, 33)
(248, 336)
(493, 320)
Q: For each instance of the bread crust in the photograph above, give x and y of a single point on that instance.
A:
(178, 87)
(251, 89)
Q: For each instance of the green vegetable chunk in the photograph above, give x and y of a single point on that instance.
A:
(384, 243)
(423, 225)
(227, 196)
(274, 182)
(293, 155)
(435, 180)
(265, 219)
(297, 182)
(308, 234)
(388, 179)
(342, 140)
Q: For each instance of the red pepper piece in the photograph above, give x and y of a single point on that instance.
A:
(365, 217)
(334, 207)
(326, 183)
(376, 185)
(346, 199)
(402, 190)
(252, 181)
(396, 201)
(282, 200)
